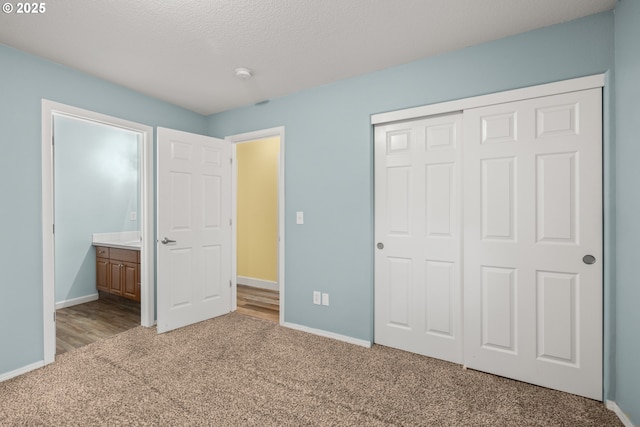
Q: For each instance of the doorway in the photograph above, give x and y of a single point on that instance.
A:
(96, 192)
(258, 232)
(54, 209)
(197, 212)
(257, 228)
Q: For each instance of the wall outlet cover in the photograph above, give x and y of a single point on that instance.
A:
(316, 298)
(325, 299)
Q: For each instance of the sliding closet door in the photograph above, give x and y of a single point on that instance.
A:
(418, 236)
(533, 241)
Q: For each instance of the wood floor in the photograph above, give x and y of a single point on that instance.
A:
(83, 324)
(260, 303)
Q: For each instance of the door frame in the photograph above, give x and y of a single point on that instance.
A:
(608, 183)
(50, 109)
(246, 137)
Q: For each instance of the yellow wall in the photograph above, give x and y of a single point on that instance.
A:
(258, 208)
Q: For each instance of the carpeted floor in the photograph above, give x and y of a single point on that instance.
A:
(239, 371)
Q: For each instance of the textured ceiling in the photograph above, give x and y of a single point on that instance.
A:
(185, 52)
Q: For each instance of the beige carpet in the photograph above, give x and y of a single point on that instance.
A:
(239, 371)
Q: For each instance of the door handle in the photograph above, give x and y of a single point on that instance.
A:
(589, 259)
(165, 241)
(380, 245)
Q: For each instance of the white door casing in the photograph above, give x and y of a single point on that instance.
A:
(194, 210)
(147, 215)
(418, 236)
(533, 210)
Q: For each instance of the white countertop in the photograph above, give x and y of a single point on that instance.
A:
(121, 240)
(121, 245)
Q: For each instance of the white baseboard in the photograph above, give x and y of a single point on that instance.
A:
(613, 406)
(327, 334)
(20, 371)
(76, 301)
(257, 283)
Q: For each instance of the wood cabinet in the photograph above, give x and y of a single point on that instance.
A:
(118, 271)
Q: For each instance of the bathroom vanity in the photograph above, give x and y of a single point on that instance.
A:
(118, 265)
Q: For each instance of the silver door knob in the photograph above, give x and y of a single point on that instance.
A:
(589, 259)
(165, 241)
(380, 245)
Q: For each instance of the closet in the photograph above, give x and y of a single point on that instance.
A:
(488, 232)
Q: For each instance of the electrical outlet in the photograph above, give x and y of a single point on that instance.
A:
(299, 217)
(316, 298)
(133, 216)
(325, 299)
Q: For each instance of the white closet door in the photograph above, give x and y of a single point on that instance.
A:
(533, 211)
(417, 231)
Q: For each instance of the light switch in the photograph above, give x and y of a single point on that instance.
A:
(325, 299)
(133, 216)
(299, 217)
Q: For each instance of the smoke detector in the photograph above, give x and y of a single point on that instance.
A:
(243, 73)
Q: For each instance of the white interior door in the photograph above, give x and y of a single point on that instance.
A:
(194, 231)
(418, 235)
(533, 210)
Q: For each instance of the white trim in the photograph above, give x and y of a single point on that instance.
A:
(76, 301)
(327, 334)
(244, 137)
(147, 259)
(147, 230)
(20, 371)
(257, 283)
(613, 406)
(48, 274)
(555, 88)
(234, 228)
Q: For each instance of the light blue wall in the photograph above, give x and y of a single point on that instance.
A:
(24, 81)
(96, 188)
(329, 153)
(627, 75)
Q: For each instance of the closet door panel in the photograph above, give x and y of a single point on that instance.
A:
(533, 211)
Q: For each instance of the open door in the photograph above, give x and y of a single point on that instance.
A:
(194, 228)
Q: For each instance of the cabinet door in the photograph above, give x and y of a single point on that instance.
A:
(129, 280)
(102, 274)
(115, 269)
